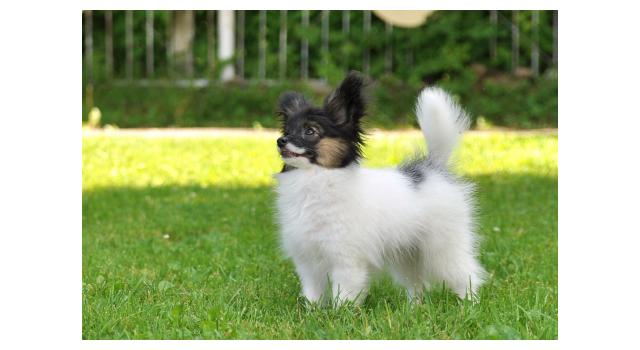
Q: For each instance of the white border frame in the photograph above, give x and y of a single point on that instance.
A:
(40, 143)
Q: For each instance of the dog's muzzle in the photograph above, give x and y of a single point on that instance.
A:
(289, 150)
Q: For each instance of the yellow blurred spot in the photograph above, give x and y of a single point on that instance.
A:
(94, 117)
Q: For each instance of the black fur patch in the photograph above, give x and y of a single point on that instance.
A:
(290, 103)
(286, 168)
(414, 169)
(417, 168)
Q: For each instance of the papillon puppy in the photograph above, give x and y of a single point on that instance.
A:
(340, 223)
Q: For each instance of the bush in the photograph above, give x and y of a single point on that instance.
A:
(502, 101)
(518, 103)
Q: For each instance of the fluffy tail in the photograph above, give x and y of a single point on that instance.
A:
(442, 122)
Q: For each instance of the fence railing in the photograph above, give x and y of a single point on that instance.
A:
(212, 45)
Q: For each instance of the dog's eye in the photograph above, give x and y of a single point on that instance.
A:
(309, 131)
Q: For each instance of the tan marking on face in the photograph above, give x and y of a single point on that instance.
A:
(330, 152)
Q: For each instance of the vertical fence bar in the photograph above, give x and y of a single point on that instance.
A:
(129, 44)
(346, 19)
(226, 37)
(169, 45)
(366, 26)
(346, 28)
(304, 48)
(388, 55)
(88, 44)
(515, 41)
(240, 49)
(282, 57)
(188, 62)
(325, 38)
(108, 44)
(149, 46)
(535, 49)
(262, 45)
(182, 37)
(493, 42)
(555, 39)
(211, 44)
(407, 37)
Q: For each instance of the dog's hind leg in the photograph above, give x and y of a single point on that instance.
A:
(455, 264)
(408, 271)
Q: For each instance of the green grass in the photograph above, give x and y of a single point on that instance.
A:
(179, 242)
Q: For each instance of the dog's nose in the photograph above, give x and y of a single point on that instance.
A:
(282, 141)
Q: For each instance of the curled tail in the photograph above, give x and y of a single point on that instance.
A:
(442, 122)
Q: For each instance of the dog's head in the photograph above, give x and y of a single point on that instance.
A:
(329, 136)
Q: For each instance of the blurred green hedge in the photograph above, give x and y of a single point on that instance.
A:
(500, 100)
(451, 51)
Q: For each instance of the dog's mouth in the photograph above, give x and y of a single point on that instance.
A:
(285, 153)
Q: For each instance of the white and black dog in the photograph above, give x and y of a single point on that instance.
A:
(340, 223)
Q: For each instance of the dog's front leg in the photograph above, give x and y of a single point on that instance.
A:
(349, 283)
(314, 281)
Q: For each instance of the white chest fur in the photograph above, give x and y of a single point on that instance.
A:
(313, 206)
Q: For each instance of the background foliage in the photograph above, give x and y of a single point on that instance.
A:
(452, 50)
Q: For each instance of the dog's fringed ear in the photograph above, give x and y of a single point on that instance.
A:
(346, 105)
(290, 103)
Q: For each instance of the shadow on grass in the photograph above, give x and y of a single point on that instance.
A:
(166, 252)
(189, 211)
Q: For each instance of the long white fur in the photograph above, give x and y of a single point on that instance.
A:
(442, 122)
(342, 225)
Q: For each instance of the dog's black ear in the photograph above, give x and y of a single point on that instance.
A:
(290, 103)
(346, 105)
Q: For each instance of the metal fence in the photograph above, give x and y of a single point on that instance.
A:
(212, 45)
